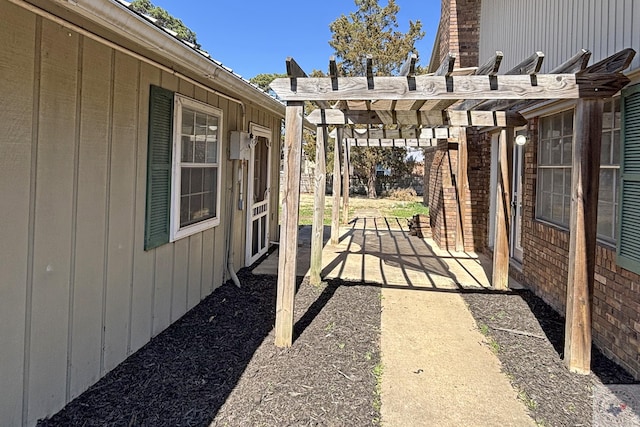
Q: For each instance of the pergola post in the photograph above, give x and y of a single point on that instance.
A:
(335, 211)
(585, 178)
(317, 231)
(500, 278)
(288, 251)
(345, 176)
(462, 184)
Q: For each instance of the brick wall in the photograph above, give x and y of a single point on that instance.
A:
(443, 199)
(479, 173)
(616, 294)
(460, 31)
(468, 20)
(442, 196)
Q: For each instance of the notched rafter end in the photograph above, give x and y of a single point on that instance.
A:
(333, 72)
(615, 63)
(530, 66)
(408, 69)
(446, 67)
(491, 67)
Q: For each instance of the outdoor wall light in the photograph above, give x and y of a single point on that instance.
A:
(521, 140)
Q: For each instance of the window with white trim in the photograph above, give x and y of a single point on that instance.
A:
(554, 170)
(609, 171)
(195, 188)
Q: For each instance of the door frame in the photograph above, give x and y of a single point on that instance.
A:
(265, 205)
(517, 181)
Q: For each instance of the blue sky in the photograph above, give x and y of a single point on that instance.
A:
(254, 37)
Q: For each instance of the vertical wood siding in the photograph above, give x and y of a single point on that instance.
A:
(559, 28)
(78, 294)
(16, 152)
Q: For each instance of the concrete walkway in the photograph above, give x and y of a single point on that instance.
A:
(438, 369)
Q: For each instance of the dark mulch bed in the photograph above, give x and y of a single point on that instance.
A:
(218, 364)
(554, 396)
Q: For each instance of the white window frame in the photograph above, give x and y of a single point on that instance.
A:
(561, 109)
(177, 232)
(564, 224)
(608, 131)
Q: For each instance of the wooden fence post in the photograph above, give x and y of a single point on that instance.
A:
(346, 160)
(462, 184)
(288, 250)
(318, 207)
(500, 278)
(585, 180)
(335, 212)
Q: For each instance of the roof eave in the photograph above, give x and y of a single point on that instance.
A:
(117, 18)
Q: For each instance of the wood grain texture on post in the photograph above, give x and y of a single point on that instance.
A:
(288, 251)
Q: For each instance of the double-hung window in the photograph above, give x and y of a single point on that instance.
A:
(183, 167)
(554, 170)
(609, 171)
(196, 168)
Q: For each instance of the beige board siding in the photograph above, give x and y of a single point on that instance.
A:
(142, 300)
(17, 62)
(53, 226)
(164, 257)
(79, 292)
(91, 196)
(558, 28)
(219, 243)
(195, 270)
(119, 239)
(274, 216)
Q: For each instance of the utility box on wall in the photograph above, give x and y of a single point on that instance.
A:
(239, 145)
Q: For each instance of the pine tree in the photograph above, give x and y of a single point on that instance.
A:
(372, 30)
(165, 20)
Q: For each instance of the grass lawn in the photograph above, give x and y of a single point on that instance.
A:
(388, 208)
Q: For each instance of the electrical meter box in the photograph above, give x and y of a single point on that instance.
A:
(239, 145)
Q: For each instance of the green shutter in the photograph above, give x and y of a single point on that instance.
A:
(159, 168)
(629, 221)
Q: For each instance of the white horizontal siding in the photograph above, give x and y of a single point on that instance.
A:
(559, 28)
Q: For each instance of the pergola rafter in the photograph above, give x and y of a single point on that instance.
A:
(413, 109)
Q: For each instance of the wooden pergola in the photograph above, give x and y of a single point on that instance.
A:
(420, 110)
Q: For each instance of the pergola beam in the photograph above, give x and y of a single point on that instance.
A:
(557, 86)
(393, 142)
(294, 72)
(416, 118)
(402, 133)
